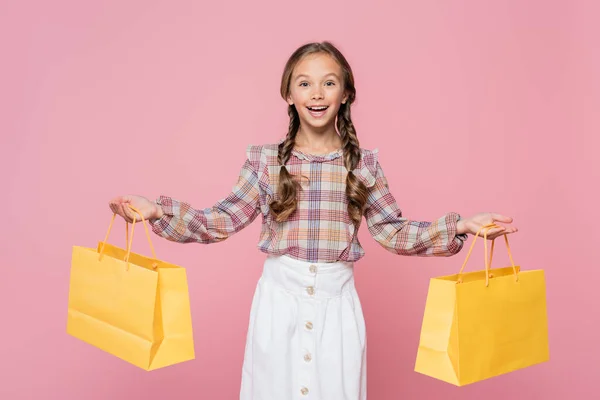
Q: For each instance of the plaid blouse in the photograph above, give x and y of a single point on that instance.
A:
(320, 229)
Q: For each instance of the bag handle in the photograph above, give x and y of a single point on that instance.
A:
(129, 239)
(488, 262)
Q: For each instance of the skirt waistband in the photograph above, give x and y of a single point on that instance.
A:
(310, 280)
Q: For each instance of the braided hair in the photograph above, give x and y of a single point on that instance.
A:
(356, 191)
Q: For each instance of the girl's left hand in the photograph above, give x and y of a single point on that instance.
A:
(474, 223)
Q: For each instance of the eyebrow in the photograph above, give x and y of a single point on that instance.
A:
(306, 76)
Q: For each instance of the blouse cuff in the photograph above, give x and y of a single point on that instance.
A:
(167, 205)
(462, 236)
(456, 241)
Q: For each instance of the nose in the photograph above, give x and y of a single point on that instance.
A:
(317, 93)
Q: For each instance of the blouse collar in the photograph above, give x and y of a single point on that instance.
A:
(315, 157)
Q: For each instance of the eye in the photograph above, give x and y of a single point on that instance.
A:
(332, 83)
(303, 84)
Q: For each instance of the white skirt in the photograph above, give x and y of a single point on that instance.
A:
(307, 336)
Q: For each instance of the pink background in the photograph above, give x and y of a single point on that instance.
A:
(475, 106)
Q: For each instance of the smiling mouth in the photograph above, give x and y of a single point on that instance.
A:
(317, 112)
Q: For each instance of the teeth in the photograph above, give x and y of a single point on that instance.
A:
(317, 108)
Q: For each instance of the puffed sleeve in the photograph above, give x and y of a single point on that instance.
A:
(401, 235)
(183, 223)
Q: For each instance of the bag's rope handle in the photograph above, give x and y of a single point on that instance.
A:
(112, 220)
(129, 239)
(484, 228)
(488, 262)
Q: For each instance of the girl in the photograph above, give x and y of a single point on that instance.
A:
(306, 336)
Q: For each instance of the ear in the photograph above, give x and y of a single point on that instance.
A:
(290, 101)
(345, 98)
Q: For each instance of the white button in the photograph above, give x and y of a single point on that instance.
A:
(304, 391)
(313, 269)
(310, 290)
(309, 325)
(307, 357)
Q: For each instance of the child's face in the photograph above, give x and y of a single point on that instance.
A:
(317, 81)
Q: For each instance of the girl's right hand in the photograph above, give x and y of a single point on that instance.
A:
(120, 205)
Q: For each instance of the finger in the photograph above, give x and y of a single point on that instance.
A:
(119, 208)
(501, 218)
(124, 214)
(507, 231)
(119, 199)
(124, 207)
(113, 204)
(491, 233)
(134, 214)
(130, 213)
(113, 207)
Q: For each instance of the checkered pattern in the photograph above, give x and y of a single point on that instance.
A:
(320, 230)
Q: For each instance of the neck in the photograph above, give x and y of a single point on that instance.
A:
(325, 139)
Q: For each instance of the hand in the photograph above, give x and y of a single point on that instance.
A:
(149, 209)
(473, 224)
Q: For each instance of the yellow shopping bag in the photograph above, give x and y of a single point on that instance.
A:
(482, 324)
(133, 307)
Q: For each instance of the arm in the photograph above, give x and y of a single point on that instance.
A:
(180, 222)
(405, 237)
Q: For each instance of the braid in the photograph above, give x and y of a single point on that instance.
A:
(285, 148)
(356, 191)
(287, 187)
(285, 202)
